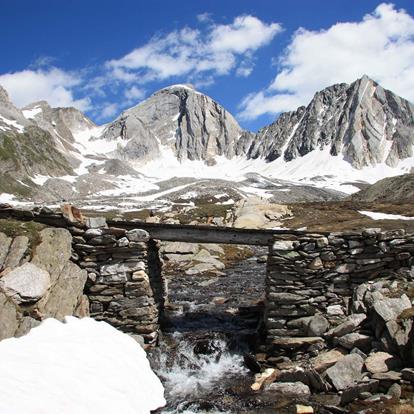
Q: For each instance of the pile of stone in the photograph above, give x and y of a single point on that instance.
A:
(338, 315)
(120, 289)
(38, 281)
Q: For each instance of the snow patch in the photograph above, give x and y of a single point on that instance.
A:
(31, 113)
(12, 123)
(384, 216)
(81, 366)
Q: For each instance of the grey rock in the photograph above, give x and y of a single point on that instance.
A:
(137, 235)
(5, 243)
(26, 283)
(356, 391)
(17, 251)
(318, 325)
(346, 372)
(395, 391)
(96, 222)
(353, 340)
(180, 248)
(381, 362)
(9, 317)
(289, 389)
(349, 325)
(390, 309)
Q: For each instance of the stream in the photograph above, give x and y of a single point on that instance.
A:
(210, 324)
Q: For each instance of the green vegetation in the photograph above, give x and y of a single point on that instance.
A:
(30, 229)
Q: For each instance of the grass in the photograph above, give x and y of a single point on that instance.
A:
(30, 229)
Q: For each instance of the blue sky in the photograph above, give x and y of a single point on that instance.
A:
(257, 58)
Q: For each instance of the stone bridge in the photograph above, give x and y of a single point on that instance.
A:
(308, 274)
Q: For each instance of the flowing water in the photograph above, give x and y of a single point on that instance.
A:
(209, 325)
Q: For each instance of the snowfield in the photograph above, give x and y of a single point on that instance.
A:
(81, 366)
(384, 216)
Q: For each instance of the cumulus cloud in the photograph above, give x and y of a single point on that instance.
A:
(134, 94)
(52, 84)
(381, 45)
(216, 50)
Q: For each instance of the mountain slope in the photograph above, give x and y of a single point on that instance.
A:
(179, 118)
(389, 190)
(362, 122)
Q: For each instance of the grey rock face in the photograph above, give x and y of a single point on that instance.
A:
(363, 122)
(191, 124)
(26, 283)
(346, 372)
(61, 123)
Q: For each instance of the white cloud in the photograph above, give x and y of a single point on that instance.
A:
(245, 33)
(134, 94)
(190, 52)
(53, 85)
(381, 45)
(109, 110)
(204, 17)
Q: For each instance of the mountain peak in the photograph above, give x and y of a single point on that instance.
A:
(187, 86)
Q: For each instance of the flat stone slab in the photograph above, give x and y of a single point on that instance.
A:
(346, 372)
(380, 362)
(26, 283)
(296, 342)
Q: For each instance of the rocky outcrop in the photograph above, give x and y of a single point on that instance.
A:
(181, 119)
(362, 122)
(38, 282)
(388, 190)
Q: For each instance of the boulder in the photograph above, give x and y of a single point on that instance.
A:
(381, 362)
(204, 256)
(16, 252)
(5, 243)
(318, 325)
(326, 359)
(346, 372)
(389, 309)
(355, 391)
(348, 326)
(137, 235)
(25, 284)
(290, 389)
(180, 248)
(353, 340)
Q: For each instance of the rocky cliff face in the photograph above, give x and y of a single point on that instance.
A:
(193, 125)
(37, 282)
(363, 122)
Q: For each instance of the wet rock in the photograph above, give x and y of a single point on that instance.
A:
(205, 347)
(290, 389)
(267, 377)
(346, 372)
(26, 283)
(381, 362)
(251, 363)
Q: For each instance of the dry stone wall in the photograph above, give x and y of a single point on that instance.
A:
(313, 282)
(124, 283)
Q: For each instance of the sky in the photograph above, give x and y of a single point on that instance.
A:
(257, 58)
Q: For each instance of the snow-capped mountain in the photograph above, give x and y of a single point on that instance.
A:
(347, 134)
(179, 118)
(363, 122)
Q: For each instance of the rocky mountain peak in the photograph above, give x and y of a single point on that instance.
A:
(176, 118)
(361, 122)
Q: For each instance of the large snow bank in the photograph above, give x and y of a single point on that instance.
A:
(81, 366)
